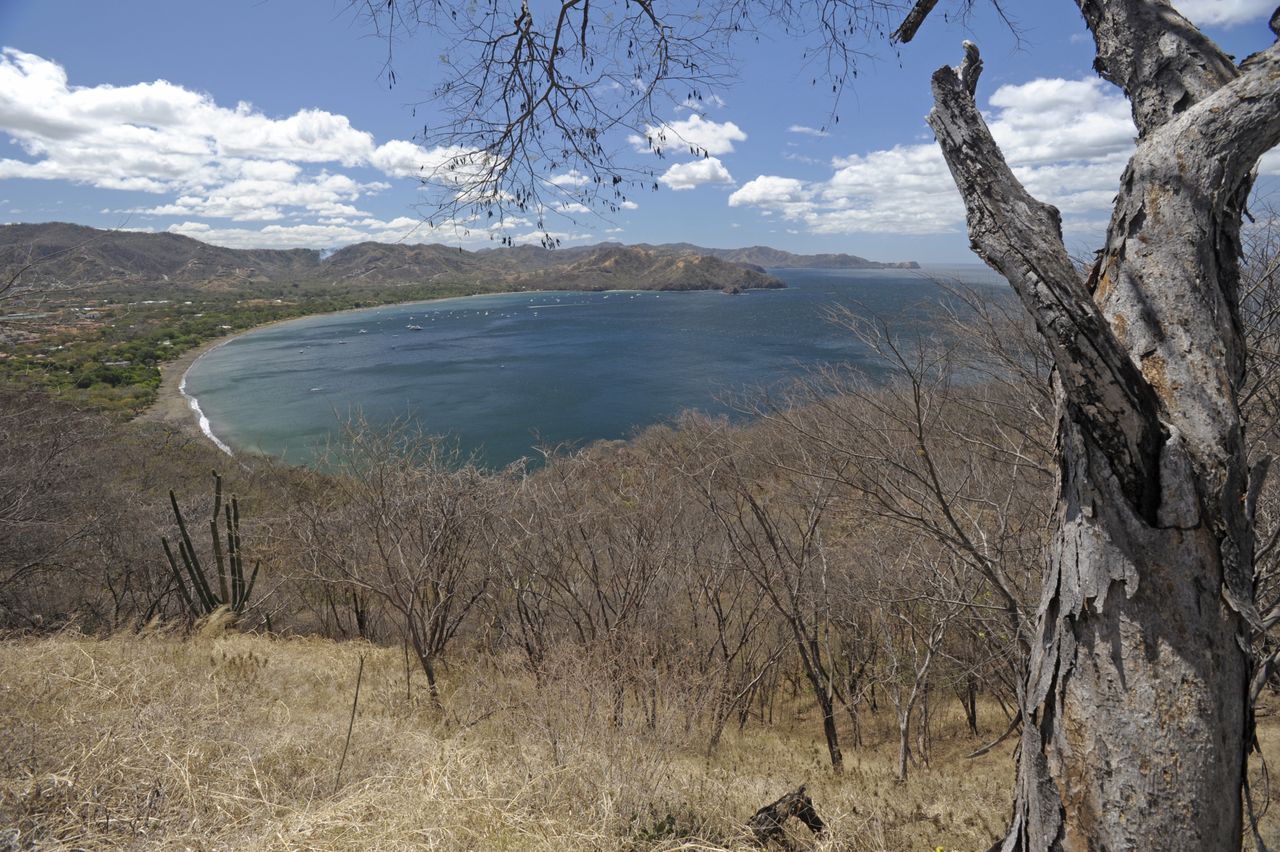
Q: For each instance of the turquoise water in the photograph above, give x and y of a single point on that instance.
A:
(503, 373)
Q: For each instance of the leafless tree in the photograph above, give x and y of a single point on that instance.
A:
(1152, 523)
(597, 543)
(773, 517)
(916, 602)
(537, 98)
(950, 445)
(1139, 660)
(41, 521)
(401, 519)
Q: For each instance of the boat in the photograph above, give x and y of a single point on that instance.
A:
(414, 327)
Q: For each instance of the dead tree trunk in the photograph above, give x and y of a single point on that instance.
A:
(1137, 723)
(969, 701)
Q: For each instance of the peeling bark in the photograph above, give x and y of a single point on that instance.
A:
(1136, 714)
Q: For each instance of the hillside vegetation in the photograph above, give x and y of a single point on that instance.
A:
(93, 314)
(161, 265)
(630, 646)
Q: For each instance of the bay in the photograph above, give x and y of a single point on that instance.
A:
(500, 374)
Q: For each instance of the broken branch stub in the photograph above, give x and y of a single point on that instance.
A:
(767, 824)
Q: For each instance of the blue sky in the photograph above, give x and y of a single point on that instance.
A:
(268, 123)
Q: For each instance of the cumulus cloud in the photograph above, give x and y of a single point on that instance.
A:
(908, 189)
(1270, 163)
(307, 235)
(1224, 13)
(213, 161)
(694, 133)
(330, 233)
(1046, 121)
(779, 193)
(708, 170)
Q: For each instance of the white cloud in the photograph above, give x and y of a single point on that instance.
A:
(694, 133)
(572, 179)
(1270, 163)
(807, 131)
(1066, 140)
(774, 193)
(265, 199)
(702, 104)
(1047, 121)
(906, 190)
(329, 233)
(801, 158)
(304, 235)
(1226, 13)
(708, 170)
(214, 161)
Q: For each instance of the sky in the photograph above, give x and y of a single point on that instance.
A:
(271, 124)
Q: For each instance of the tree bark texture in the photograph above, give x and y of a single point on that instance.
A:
(1136, 719)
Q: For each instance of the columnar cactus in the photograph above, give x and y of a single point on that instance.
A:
(199, 596)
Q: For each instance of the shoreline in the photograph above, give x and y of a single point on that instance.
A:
(175, 408)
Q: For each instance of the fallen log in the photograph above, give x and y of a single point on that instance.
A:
(767, 824)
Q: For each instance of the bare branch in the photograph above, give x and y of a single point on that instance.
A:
(1021, 238)
(911, 24)
(541, 105)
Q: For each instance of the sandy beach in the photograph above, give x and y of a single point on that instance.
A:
(173, 409)
(171, 406)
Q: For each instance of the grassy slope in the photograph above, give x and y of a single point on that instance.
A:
(232, 741)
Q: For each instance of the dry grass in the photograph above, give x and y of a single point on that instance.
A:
(231, 741)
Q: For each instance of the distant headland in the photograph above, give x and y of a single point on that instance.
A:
(167, 264)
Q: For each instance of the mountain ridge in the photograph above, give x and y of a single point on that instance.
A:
(66, 253)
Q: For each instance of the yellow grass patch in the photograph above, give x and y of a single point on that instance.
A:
(233, 741)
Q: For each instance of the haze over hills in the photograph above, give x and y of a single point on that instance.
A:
(779, 259)
(134, 261)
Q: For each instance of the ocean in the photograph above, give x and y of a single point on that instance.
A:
(505, 373)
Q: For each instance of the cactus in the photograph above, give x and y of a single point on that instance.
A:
(192, 578)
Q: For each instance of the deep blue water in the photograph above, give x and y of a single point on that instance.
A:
(501, 373)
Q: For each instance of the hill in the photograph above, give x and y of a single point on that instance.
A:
(159, 264)
(609, 266)
(76, 254)
(778, 259)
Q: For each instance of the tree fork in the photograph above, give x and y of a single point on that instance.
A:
(1137, 721)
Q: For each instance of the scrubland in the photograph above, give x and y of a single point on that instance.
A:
(232, 741)
(226, 740)
(630, 646)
